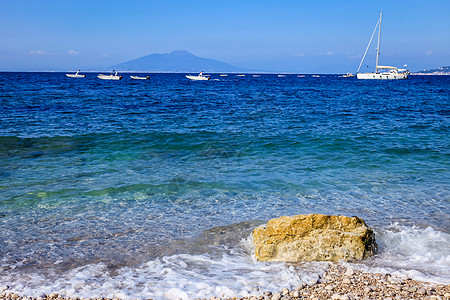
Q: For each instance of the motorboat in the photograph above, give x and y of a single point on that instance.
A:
(112, 76)
(199, 77)
(381, 72)
(223, 75)
(140, 77)
(348, 75)
(76, 75)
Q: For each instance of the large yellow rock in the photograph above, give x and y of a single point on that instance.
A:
(314, 237)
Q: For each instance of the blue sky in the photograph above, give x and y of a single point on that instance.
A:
(279, 36)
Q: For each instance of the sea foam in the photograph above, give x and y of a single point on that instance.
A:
(411, 251)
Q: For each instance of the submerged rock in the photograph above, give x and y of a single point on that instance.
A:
(314, 237)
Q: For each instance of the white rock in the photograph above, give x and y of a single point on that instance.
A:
(346, 280)
(411, 289)
(349, 272)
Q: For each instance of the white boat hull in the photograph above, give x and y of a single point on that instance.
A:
(198, 78)
(75, 76)
(109, 77)
(139, 77)
(382, 76)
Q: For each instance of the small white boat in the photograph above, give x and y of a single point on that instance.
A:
(316, 76)
(256, 75)
(300, 75)
(198, 77)
(112, 76)
(281, 75)
(76, 75)
(223, 75)
(348, 75)
(140, 77)
(241, 75)
(381, 72)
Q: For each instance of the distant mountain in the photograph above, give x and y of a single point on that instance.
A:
(437, 71)
(181, 61)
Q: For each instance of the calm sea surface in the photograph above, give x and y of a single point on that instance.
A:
(149, 189)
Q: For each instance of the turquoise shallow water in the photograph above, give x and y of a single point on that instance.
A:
(119, 176)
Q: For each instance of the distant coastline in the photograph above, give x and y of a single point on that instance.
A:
(438, 71)
(434, 73)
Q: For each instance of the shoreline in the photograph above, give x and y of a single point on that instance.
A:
(338, 282)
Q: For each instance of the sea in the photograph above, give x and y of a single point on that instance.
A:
(140, 189)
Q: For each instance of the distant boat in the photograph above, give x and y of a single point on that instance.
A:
(300, 75)
(387, 72)
(140, 77)
(223, 75)
(76, 75)
(198, 77)
(281, 75)
(348, 75)
(112, 76)
(256, 75)
(316, 76)
(241, 75)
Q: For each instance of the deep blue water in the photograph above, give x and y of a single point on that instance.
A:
(120, 173)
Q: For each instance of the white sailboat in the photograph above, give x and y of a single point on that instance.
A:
(76, 75)
(112, 76)
(381, 72)
(198, 77)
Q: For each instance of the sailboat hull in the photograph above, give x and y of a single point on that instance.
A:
(388, 76)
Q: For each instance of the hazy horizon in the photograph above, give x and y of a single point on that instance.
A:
(278, 37)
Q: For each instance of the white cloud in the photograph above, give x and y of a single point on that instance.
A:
(429, 52)
(37, 52)
(330, 53)
(73, 52)
(300, 54)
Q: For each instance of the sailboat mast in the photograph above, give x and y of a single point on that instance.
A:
(378, 46)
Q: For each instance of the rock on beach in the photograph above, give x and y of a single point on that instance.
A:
(314, 237)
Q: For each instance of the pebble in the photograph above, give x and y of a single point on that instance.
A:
(421, 291)
(411, 289)
(349, 272)
(395, 280)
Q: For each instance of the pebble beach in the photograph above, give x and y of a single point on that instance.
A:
(338, 282)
